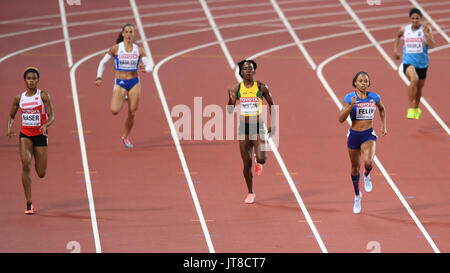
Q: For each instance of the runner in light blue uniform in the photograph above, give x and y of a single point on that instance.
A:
(418, 39)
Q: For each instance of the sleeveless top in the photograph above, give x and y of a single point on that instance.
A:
(127, 61)
(364, 109)
(33, 113)
(414, 50)
(250, 99)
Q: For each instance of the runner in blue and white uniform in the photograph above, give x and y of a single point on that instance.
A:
(126, 56)
(418, 39)
(360, 105)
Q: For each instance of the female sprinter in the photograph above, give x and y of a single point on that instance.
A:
(360, 105)
(418, 38)
(37, 115)
(252, 131)
(127, 87)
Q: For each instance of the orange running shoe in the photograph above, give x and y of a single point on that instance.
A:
(29, 210)
(126, 142)
(250, 198)
(258, 166)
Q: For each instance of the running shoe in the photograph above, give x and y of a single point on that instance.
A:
(126, 142)
(258, 166)
(357, 204)
(418, 113)
(250, 198)
(411, 113)
(367, 183)
(30, 209)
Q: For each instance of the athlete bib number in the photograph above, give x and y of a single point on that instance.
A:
(249, 106)
(414, 45)
(31, 118)
(365, 110)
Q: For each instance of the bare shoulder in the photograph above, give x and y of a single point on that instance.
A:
(45, 95)
(16, 100)
(113, 50)
(235, 87)
(264, 87)
(141, 51)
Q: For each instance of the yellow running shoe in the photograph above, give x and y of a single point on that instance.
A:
(411, 113)
(418, 113)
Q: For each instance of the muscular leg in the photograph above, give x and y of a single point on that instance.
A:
(133, 103)
(355, 158)
(368, 152)
(117, 99)
(418, 96)
(245, 147)
(412, 88)
(260, 149)
(26, 154)
(40, 160)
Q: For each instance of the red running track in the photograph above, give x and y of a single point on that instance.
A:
(142, 198)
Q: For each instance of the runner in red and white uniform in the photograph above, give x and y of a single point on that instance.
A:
(37, 115)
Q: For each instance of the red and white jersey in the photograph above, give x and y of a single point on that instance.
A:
(33, 113)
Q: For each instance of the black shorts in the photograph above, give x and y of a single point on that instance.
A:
(421, 72)
(39, 140)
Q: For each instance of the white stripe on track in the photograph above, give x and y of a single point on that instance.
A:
(293, 34)
(367, 33)
(137, 17)
(278, 156)
(84, 157)
(62, 10)
(176, 140)
(80, 129)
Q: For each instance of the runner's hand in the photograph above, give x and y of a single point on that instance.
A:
(44, 129)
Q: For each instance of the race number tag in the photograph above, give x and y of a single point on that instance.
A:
(414, 45)
(249, 106)
(365, 110)
(31, 118)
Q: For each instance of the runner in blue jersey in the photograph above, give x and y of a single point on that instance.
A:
(360, 105)
(418, 39)
(127, 56)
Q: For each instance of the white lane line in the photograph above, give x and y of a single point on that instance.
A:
(177, 142)
(433, 23)
(293, 34)
(377, 162)
(84, 157)
(137, 18)
(222, 27)
(279, 159)
(367, 33)
(62, 11)
(177, 12)
(76, 105)
(391, 62)
(217, 33)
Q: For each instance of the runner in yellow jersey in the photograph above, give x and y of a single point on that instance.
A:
(252, 130)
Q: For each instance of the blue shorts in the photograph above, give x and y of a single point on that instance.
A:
(127, 84)
(356, 138)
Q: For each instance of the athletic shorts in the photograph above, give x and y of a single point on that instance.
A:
(39, 140)
(127, 84)
(421, 72)
(356, 138)
(251, 129)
